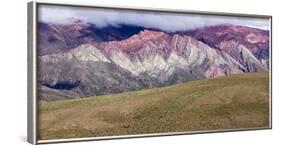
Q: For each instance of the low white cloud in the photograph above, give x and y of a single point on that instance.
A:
(160, 20)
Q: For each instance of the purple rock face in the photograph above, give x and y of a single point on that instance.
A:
(58, 38)
(223, 36)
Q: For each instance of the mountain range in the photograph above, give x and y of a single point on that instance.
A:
(79, 59)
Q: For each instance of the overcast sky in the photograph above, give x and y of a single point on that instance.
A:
(160, 20)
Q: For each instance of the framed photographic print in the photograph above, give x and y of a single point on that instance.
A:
(107, 72)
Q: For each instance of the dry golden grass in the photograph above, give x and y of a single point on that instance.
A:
(237, 101)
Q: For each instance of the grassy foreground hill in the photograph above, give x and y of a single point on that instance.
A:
(236, 101)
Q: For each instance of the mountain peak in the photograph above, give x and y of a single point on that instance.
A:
(149, 34)
(136, 41)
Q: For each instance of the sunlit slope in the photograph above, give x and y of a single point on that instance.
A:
(237, 101)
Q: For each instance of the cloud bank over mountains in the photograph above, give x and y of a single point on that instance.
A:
(160, 20)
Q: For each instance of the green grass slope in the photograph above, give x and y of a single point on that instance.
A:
(237, 101)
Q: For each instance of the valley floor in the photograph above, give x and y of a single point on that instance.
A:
(236, 101)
